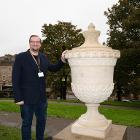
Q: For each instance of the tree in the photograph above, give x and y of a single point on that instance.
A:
(123, 19)
(57, 38)
(124, 34)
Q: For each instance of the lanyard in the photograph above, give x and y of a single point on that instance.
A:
(37, 63)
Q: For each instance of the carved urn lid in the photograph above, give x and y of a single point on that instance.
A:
(91, 47)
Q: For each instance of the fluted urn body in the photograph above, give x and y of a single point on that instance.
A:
(92, 69)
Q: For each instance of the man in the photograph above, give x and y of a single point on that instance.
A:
(28, 78)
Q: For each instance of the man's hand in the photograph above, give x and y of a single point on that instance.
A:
(20, 103)
(63, 56)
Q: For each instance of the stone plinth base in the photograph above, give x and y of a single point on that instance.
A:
(101, 132)
(117, 133)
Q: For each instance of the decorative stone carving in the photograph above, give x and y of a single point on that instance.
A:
(92, 69)
(84, 94)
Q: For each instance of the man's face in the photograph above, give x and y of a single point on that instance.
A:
(35, 43)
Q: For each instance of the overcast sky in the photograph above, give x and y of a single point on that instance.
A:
(21, 18)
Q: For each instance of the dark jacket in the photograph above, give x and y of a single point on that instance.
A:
(27, 86)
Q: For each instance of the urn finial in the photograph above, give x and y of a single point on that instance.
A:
(91, 37)
(91, 27)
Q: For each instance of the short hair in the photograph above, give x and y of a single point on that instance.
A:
(34, 36)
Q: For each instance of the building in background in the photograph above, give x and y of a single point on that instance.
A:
(6, 63)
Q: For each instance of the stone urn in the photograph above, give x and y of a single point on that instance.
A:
(92, 69)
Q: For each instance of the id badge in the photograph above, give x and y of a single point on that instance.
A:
(40, 74)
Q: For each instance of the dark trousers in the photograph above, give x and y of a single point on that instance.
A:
(27, 112)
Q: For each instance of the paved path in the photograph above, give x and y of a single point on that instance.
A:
(121, 107)
(53, 126)
(106, 106)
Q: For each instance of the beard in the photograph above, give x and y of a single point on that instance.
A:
(34, 49)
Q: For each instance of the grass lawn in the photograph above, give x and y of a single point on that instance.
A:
(10, 133)
(71, 111)
(118, 116)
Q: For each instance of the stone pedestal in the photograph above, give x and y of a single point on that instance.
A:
(117, 133)
(98, 127)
